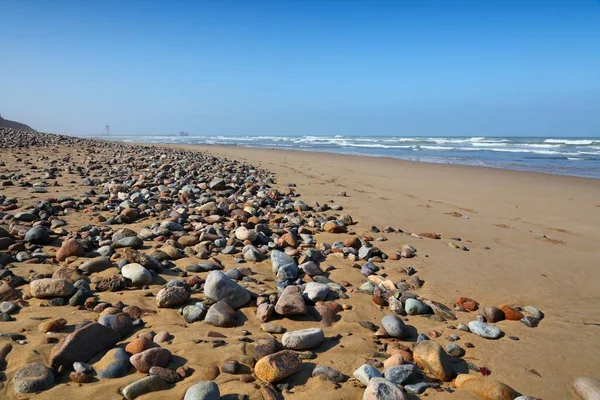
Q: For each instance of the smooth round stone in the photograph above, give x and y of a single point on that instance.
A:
(194, 313)
(121, 323)
(394, 326)
(314, 291)
(365, 373)
(33, 378)
(382, 389)
(587, 388)
(8, 307)
(206, 390)
(400, 373)
(454, 350)
(416, 307)
(303, 339)
(152, 383)
(329, 373)
(484, 330)
(38, 235)
(139, 275)
(114, 364)
(219, 286)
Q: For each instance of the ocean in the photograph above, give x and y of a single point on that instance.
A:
(562, 156)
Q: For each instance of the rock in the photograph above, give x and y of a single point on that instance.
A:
(219, 287)
(401, 373)
(206, 390)
(440, 309)
(53, 325)
(220, 314)
(121, 323)
(485, 388)
(8, 292)
(272, 328)
(145, 385)
(382, 389)
(167, 375)
(334, 227)
(49, 287)
(290, 302)
(310, 268)
(131, 241)
(162, 336)
(264, 312)
(467, 303)
(304, 339)
(69, 248)
(154, 357)
(96, 264)
(83, 368)
(328, 373)
(171, 296)
(277, 366)
(394, 326)
(83, 344)
(114, 364)
(243, 234)
(493, 314)
(194, 313)
(454, 350)
(230, 367)
(365, 373)
(416, 307)
(33, 378)
(484, 330)
(38, 235)
(587, 388)
(530, 321)
(138, 275)
(139, 344)
(433, 360)
(511, 313)
(80, 377)
(314, 291)
(279, 259)
(532, 311)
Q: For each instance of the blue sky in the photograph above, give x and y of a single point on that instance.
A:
(511, 67)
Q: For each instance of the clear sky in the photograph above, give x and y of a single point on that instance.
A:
(419, 67)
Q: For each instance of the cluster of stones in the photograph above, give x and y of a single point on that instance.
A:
(210, 208)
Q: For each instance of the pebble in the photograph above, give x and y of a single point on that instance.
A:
(138, 275)
(291, 302)
(33, 378)
(203, 391)
(219, 286)
(83, 344)
(52, 325)
(433, 360)
(168, 375)
(49, 287)
(171, 296)
(365, 373)
(220, 314)
(382, 389)
(416, 307)
(275, 367)
(114, 364)
(314, 291)
(484, 330)
(401, 373)
(152, 383)
(304, 339)
(155, 357)
(587, 388)
(487, 388)
(394, 326)
(328, 373)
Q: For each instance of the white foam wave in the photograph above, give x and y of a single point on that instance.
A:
(583, 142)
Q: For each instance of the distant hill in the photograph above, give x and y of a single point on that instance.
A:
(5, 123)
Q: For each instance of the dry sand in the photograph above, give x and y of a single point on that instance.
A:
(507, 211)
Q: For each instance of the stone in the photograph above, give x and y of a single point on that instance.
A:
(49, 287)
(314, 291)
(96, 264)
(38, 235)
(440, 310)
(171, 296)
(416, 307)
(121, 323)
(206, 390)
(8, 307)
(310, 268)
(220, 314)
(280, 259)
(264, 312)
(454, 350)
(532, 311)
(53, 325)
(365, 373)
(272, 328)
(69, 248)
(492, 314)
(433, 360)
(139, 344)
(484, 330)
(230, 367)
(194, 313)
(334, 227)
(219, 287)
(467, 303)
(154, 357)
(242, 233)
(485, 388)
(393, 360)
(114, 364)
(80, 377)
(511, 313)
(138, 275)
(382, 389)
(394, 326)
(167, 375)
(33, 378)
(401, 373)
(83, 368)
(290, 302)
(162, 336)
(8, 292)
(304, 339)
(83, 344)
(152, 383)
(131, 241)
(587, 388)
(328, 373)
(275, 367)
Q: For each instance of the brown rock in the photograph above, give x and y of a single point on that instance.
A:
(48, 287)
(511, 313)
(467, 303)
(353, 242)
(69, 248)
(155, 357)
(290, 302)
(167, 375)
(138, 345)
(485, 388)
(278, 366)
(52, 325)
(8, 292)
(493, 314)
(80, 377)
(393, 360)
(334, 227)
(83, 344)
(70, 274)
(210, 373)
(430, 235)
(433, 360)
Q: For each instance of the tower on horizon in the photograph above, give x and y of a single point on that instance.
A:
(107, 130)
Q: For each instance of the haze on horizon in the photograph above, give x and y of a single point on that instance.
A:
(419, 67)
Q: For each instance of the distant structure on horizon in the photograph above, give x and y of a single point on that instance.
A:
(107, 130)
(182, 133)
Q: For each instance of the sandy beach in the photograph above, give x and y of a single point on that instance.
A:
(532, 239)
